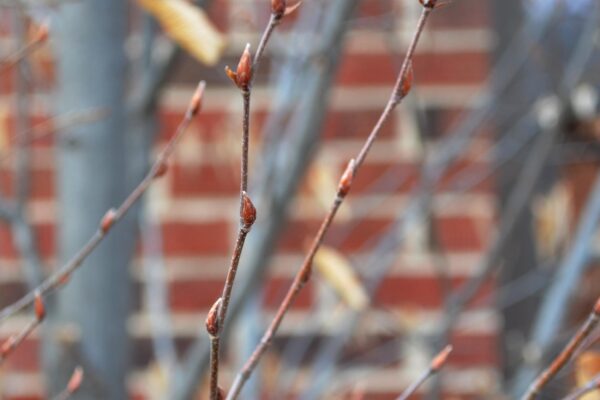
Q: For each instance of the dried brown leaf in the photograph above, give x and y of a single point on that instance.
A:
(338, 272)
(189, 27)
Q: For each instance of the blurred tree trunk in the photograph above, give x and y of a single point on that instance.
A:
(91, 178)
(520, 255)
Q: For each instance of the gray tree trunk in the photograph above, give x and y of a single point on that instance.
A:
(91, 178)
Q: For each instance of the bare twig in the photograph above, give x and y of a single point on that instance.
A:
(401, 89)
(56, 124)
(316, 77)
(16, 340)
(434, 367)
(590, 386)
(565, 355)
(112, 216)
(73, 385)
(40, 38)
(243, 78)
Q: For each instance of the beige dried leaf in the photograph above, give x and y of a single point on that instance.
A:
(551, 216)
(337, 271)
(189, 27)
(587, 367)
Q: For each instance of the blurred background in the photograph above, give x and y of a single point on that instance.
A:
(472, 222)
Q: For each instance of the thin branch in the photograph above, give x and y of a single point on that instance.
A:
(565, 355)
(316, 76)
(401, 89)
(9, 346)
(435, 366)
(19, 55)
(73, 385)
(243, 77)
(55, 124)
(112, 216)
(590, 386)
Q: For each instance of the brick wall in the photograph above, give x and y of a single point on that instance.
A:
(195, 205)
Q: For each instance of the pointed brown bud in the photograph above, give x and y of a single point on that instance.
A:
(162, 169)
(278, 8)
(196, 101)
(7, 346)
(597, 307)
(40, 308)
(440, 360)
(42, 33)
(108, 220)
(306, 272)
(248, 214)
(75, 381)
(346, 179)
(431, 4)
(64, 279)
(407, 81)
(244, 69)
(212, 319)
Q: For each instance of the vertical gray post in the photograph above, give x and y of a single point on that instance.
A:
(90, 178)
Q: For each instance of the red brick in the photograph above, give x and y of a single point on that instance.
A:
(299, 233)
(402, 177)
(25, 358)
(355, 124)
(466, 68)
(461, 233)
(209, 238)
(420, 292)
(462, 14)
(42, 183)
(44, 240)
(205, 180)
(194, 295)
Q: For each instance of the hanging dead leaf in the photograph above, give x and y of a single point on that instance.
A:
(189, 27)
(338, 272)
(552, 220)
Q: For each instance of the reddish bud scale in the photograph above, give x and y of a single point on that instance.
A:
(407, 81)
(440, 360)
(40, 308)
(428, 3)
(248, 212)
(244, 69)
(306, 273)
(42, 33)
(231, 75)
(346, 179)
(64, 279)
(212, 319)
(108, 220)
(75, 381)
(220, 394)
(7, 346)
(162, 169)
(278, 7)
(597, 307)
